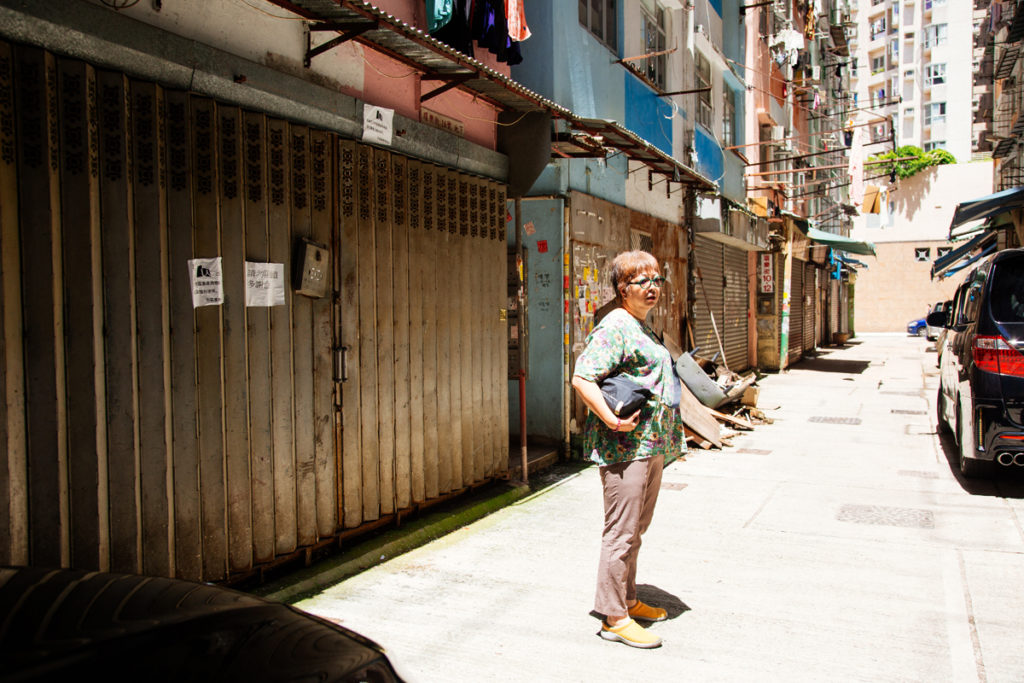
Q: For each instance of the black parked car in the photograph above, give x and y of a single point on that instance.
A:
(70, 625)
(981, 394)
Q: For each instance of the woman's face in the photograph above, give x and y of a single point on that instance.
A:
(641, 292)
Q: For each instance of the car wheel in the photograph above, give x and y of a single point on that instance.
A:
(940, 414)
(971, 468)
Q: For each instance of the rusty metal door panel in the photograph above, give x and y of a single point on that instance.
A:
(80, 229)
(257, 250)
(14, 548)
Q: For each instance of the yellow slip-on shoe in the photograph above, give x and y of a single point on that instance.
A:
(647, 613)
(630, 633)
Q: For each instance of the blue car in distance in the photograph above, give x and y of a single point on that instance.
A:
(917, 328)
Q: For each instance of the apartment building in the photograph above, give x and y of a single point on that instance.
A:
(911, 58)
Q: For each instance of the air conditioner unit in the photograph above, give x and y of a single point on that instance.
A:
(778, 132)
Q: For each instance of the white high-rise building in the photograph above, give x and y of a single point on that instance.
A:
(914, 63)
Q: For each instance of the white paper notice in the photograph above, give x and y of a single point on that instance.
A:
(207, 281)
(377, 124)
(264, 284)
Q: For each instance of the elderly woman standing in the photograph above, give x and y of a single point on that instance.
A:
(631, 450)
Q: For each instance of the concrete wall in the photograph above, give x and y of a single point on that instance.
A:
(895, 288)
(922, 206)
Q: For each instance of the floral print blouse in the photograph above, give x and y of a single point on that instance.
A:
(621, 344)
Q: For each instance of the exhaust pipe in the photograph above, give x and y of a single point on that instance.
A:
(1018, 459)
(1006, 459)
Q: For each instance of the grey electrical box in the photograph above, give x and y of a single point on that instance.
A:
(312, 270)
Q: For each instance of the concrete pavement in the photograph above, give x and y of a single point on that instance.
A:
(836, 544)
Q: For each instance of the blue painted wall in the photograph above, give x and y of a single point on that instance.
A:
(544, 384)
(710, 162)
(565, 63)
(648, 115)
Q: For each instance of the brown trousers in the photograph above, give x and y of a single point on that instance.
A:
(630, 492)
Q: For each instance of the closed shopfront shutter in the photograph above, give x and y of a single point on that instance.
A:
(736, 308)
(796, 310)
(709, 297)
(809, 313)
(243, 418)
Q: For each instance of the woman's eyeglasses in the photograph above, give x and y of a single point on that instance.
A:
(647, 282)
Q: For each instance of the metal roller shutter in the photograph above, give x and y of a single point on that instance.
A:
(736, 308)
(796, 310)
(808, 301)
(709, 296)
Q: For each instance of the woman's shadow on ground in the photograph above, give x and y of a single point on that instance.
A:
(656, 597)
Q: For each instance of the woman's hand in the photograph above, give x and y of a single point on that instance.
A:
(627, 424)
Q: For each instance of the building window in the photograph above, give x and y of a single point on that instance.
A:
(654, 41)
(877, 64)
(878, 28)
(599, 17)
(704, 96)
(942, 251)
(922, 253)
(928, 4)
(935, 113)
(935, 34)
(934, 144)
(728, 116)
(935, 74)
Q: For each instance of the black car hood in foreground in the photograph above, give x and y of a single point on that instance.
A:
(64, 625)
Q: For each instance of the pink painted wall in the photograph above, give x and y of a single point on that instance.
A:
(390, 83)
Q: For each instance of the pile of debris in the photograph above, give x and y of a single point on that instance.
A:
(717, 404)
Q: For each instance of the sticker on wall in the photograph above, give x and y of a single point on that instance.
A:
(377, 124)
(529, 228)
(542, 246)
(207, 279)
(264, 284)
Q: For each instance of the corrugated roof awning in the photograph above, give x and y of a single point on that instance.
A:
(944, 265)
(989, 205)
(840, 243)
(366, 24)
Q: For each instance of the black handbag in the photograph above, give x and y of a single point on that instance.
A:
(623, 395)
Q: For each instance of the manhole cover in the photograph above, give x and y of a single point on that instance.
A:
(887, 516)
(672, 486)
(918, 473)
(834, 420)
(897, 411)
(753, 451)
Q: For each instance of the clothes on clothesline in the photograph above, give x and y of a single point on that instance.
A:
(496, 25)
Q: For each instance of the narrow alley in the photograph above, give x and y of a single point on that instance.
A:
(838, 543)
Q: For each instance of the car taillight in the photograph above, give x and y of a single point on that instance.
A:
(994, 354)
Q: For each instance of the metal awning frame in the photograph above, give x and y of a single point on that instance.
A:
(364, 23)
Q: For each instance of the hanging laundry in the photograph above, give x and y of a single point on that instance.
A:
(456, 32)
(515, 13)
(490, 29)
(817, 99)
(439, 13)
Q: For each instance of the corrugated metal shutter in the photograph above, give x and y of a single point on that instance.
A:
(809, 313)
(709, 297)
(833, 307)
(736, 308)
(796, 310)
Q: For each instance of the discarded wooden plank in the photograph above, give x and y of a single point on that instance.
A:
(695, 415)
(739, 422)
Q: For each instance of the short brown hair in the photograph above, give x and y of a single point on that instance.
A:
(629, 263)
